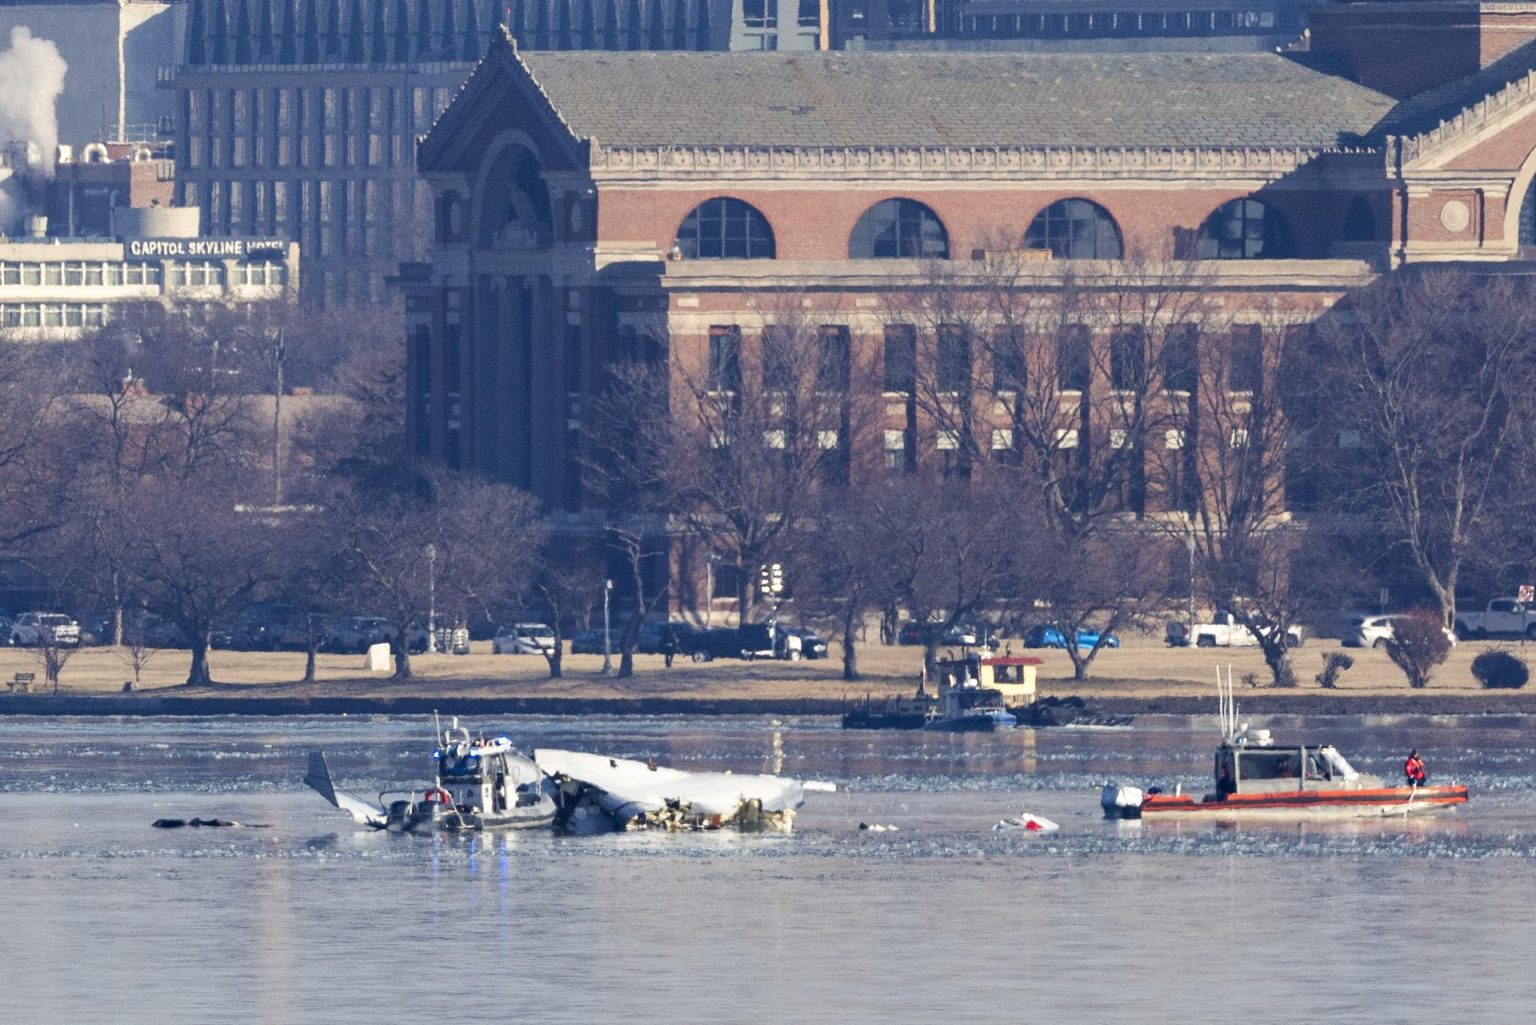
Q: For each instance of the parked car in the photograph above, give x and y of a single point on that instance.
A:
(752, 641)
(31, 629)
(590, 642)
(354, 635)
(152, 631)
(1049, 635)
(967, 636)
(1504, 617)
(1374, 632)
(796, 642)
(524, 639)
(1223, 631)
(913, 632)
(654, 635)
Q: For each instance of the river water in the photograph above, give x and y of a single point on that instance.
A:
(942, 919)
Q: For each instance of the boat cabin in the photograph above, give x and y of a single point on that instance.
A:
(484, 778)
(1241, 769)
(1011, 676)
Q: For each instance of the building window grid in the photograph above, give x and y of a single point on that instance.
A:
(725, 229)
(898, 229)
(52, 314)
(1075, 229)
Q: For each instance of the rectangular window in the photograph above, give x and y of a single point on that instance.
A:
(1008, 367)
(900, 358)
(897, 449)
(725, 358)
(1245, 372)
(1128, 360)
(954, 359)
(778, 359)
(1073, 358)
(832, 358)
(1180, 347)
(760, 13)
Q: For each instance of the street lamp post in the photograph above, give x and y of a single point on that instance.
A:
(1190, 543)
(431, 597)
(607, 645)
(710, 561)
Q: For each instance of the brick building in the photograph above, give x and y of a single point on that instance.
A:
(588, 203)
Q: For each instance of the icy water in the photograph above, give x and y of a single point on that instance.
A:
(940, 920)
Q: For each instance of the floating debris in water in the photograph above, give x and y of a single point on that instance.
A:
(178, 823)
(1028, 823)
(866, 827)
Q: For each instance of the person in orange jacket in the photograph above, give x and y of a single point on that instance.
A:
(1413, 768)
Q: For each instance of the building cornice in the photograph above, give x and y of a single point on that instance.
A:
(1403, 150)
(611, 163)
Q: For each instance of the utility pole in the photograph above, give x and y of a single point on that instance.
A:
(277, 422)
(607, 645)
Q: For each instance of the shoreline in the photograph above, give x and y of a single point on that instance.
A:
(205, 704)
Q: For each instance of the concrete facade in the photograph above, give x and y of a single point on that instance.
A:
(114, 49)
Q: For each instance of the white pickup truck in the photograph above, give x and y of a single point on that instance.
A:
(1504, 617)
(1223, 631)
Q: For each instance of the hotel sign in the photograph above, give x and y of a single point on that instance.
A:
(206, 248)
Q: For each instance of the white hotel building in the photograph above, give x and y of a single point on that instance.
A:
(57, 289)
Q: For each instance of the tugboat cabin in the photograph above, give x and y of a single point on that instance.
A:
(1011, 676)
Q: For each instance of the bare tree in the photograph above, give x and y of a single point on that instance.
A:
(197, 556)
(838, 568)
(1067, 387)
(454, 543)
(568, 577)
(1231, 453)
(949, 553)
(1426, 380)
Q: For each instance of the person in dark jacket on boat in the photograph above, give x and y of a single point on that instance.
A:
(1413, 769)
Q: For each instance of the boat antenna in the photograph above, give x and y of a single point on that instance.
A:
(1226, 702)
(437, 724)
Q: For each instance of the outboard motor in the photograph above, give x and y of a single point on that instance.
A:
(1120, 802)
(401, 816)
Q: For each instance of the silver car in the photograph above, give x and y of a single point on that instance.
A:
(31, 629)
(1374, 632)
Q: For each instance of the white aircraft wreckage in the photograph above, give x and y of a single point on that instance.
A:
(597, 792)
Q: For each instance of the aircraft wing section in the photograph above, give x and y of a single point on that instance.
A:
(318, 778)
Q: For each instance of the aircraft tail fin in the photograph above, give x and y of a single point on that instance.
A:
(318, 779)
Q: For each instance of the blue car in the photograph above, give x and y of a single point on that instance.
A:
(1049, 635)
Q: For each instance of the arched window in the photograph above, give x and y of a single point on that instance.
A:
(1075, 229)
(1359, 222)
(898, 229)
(514, 210)
(725, 229)
(1243, 229)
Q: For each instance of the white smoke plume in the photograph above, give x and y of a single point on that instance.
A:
(31, 79)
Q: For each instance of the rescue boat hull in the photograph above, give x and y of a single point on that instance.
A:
(1364, 802)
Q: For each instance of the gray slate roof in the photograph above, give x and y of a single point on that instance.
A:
(954, 99)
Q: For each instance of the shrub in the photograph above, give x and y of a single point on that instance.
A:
(1499, 668)
(1334, 663)
(1418, 644)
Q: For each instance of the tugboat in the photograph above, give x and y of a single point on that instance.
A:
(973, 695)
(477, 785)
(1256, 777)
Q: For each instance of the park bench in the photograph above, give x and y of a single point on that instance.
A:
(21, 683)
